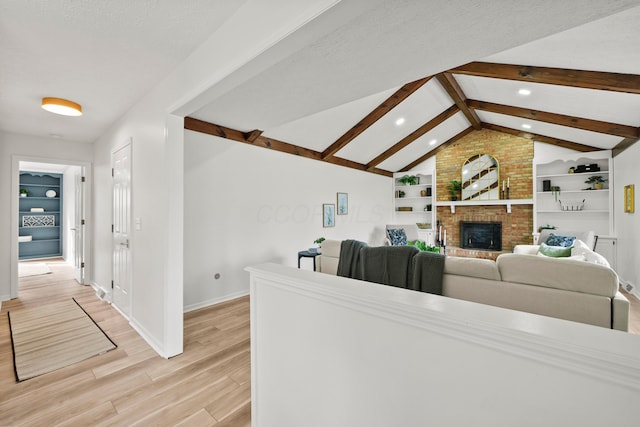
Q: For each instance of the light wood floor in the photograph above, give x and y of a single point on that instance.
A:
(209, 384)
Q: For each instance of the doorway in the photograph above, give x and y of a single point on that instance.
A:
(66, 226)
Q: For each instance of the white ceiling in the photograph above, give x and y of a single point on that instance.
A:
(107, 55)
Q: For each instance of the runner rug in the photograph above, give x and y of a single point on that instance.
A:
(54, 336)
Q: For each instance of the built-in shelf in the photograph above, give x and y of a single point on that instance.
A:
(508, 203)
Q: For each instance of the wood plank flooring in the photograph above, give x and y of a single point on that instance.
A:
(209, 384)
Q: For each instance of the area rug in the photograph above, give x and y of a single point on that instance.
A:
(51, 337)
(26, 269)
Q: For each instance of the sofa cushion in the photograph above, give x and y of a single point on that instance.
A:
(471, 267)
(397, 236)
(554, 251)
(559, 240)
(558, 273)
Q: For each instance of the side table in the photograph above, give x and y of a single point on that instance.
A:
(307, 254)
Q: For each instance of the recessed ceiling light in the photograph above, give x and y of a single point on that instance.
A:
(400, 121)
(524, 92)
(433, 142)
(62, 106)
(526, 126)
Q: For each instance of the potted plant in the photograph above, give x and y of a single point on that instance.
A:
(596, 180)
(318, 242)
(454, 187)
(410, 180)
(24, 192)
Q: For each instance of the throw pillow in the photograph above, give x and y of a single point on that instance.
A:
(557, 240)
(397, 236)
(581, 248)
(554, 251)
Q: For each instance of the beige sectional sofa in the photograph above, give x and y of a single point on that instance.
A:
(562, 288)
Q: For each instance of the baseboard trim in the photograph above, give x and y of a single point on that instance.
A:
(214, 301)
(147, 337)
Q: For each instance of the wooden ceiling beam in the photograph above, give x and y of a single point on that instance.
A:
(437, 149)
(389, 104)
(541, 138)
(623, 131)
(623, 145)
(255, 138)
(455, 92)
(437, 120)
(616, 82)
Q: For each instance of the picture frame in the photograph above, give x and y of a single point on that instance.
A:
(328, 215)
(629, 202)
(342, 204)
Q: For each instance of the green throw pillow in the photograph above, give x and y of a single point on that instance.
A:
(554, 251)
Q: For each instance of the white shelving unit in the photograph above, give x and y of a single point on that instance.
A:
(575, 206)
(415, 203)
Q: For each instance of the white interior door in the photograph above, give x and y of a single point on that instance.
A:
(78, 227)
(121, 171)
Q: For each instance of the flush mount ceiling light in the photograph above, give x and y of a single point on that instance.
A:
(526, 126)
(62, 106)
(524, 92)
(400, 121)
(433, 142)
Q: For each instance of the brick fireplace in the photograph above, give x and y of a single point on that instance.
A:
(515, 157)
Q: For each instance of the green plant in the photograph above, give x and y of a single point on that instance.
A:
(595, 179)
(24, 191)
(319, 240)
(409, 180)
(423, 246)
(454, 187)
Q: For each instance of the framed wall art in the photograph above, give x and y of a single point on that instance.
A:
(328, 215)
(343, 204)
(629, 203)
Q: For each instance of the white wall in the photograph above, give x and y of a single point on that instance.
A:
(332, 351)
(245, 205)
(34, 148)
(627, 225)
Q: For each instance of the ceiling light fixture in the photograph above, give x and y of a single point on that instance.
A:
(62, 106)
(526, 126)
(400, 121)
(524, 92)
(433, 142)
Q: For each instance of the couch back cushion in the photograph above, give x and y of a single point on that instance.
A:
(558, 273)
(471, 267)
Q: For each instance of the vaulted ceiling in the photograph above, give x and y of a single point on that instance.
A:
(583, 110)
(334, 89)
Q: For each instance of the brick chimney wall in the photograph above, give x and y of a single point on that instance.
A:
(515, 159)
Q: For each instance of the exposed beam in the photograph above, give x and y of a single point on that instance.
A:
(260, 141)
(389, 104)
(437, 149)
(253, 135)
(616, 82)
(455, 92)
(623, 145)
(541, 138)
(623, 131)
(440, 118)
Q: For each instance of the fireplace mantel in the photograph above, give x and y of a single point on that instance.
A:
(508, 203)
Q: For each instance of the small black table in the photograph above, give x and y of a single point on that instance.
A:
(307, 254)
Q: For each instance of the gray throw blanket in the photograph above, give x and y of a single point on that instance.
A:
(428, 268)
(349, 264)
(388, 265)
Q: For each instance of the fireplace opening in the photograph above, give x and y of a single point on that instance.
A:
(481, 235)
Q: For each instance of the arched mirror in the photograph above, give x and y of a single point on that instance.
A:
(480, 178)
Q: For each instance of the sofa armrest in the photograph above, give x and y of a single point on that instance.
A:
(526, 249)
(620, 313)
